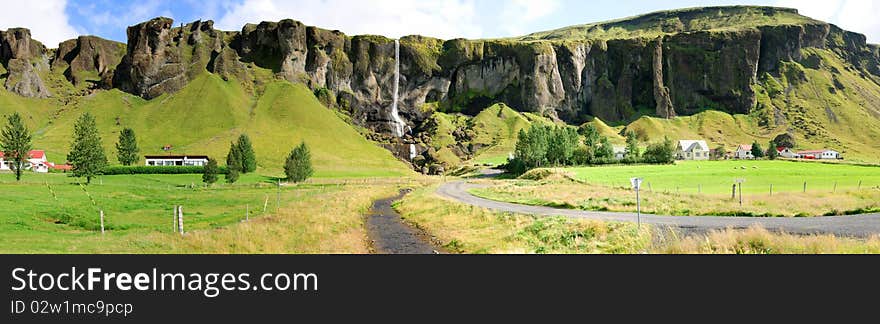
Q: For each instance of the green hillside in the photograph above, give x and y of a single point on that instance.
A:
(205, 117)
(676, 21)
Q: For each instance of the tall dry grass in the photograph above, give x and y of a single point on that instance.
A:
(326, 221)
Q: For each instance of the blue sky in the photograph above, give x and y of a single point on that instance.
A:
(53, 21)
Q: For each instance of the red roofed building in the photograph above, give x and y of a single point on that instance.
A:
(37, 159)
(819, 155)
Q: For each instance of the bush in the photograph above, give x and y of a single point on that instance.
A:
(127, 170)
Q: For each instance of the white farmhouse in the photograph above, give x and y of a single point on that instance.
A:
(744, 152)
(176, 160)
(36, 162)
(692, 150)
(786, 152)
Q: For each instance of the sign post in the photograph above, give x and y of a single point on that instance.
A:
(636, 185)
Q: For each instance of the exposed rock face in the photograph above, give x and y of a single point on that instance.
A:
(679, 73)
(161, 59)
(88, 58)
(661, 92)
(23, 59)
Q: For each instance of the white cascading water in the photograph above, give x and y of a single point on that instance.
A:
(398, 123)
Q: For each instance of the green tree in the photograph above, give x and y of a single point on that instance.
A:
(16, 144)
(605, 151)
(298, 166)
(531, 147)
(660, 153)
(562, 142)
(126, 148)
(633, 154)
(86, 152)
(211, 170)
(246, 154)
(757, 151)
(233, 165)
(772, 153)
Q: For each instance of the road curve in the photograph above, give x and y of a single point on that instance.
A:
(852, 226)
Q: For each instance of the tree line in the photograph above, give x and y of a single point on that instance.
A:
(555, 145)
(87, 158)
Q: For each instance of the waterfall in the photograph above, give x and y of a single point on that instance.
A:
(412, 152)
(395, 116)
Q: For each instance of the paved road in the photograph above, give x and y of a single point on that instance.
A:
(852, 226)
(391, 235)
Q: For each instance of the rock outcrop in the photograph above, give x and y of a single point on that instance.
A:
(88, 59)
(24, 59)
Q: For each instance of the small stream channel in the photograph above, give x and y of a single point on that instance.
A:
(390, 234)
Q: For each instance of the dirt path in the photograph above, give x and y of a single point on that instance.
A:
(851, 226)
(390, 234)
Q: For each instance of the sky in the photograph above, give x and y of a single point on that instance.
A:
(53, 21)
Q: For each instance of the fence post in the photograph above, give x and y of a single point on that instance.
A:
(102, 222)
(180, 219)
(733, 192)
(265, 204)
(174, 220)
(700, 188)
(771, 190)
(860, 185)
(835, 187)
(805, 187)
(247, 212)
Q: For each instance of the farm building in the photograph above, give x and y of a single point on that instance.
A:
(819, 155)
(692, 150)
(786, 152)
(37, 162)
(743, 152)
(176, 160)
(619, 152)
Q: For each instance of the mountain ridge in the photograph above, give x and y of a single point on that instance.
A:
(667, 64)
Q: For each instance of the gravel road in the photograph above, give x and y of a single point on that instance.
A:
(851, 226)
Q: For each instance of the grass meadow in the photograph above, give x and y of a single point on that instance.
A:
(704, 188)
(468, 229)
(54, 214)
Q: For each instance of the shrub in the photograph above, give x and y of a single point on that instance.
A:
(128, 170)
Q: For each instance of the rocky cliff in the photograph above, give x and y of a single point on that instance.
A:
(672, 68)
(665, 64)
(23, 60)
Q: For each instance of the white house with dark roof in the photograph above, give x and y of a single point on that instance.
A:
(692, 150)
(176, 160)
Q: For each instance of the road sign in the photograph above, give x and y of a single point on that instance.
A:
(740, 180)
(636, 183)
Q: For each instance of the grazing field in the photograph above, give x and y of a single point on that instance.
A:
(717, 177)
(467, 229)
(54, 214)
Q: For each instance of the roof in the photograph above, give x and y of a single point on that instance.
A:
(744, 147)
(35, 154)
(618, 148)
(690, 145)
(176, 157)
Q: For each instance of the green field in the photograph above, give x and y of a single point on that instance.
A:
(52, 213)
(717, 177)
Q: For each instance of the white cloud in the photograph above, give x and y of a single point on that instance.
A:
(46, 19)
(393, 18)
(517, 14)
(854, 15)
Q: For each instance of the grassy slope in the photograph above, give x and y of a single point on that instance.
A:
(206, 116)
(659, 23)
(496, 129)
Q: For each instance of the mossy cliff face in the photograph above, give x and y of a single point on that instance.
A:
(88, 58)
